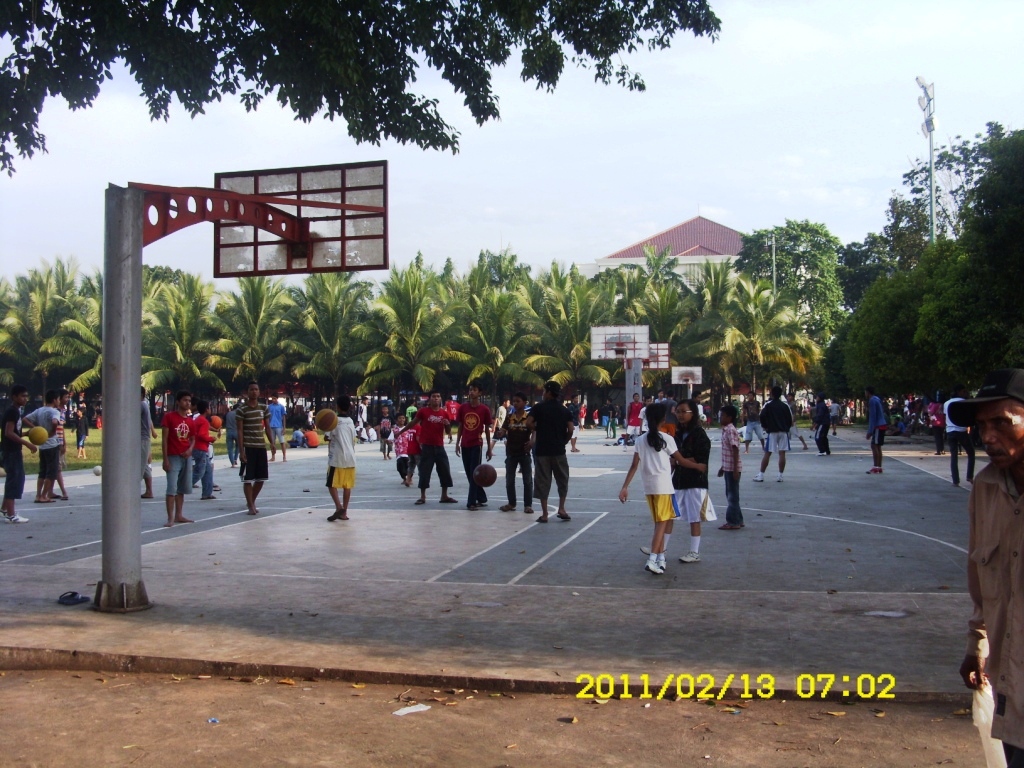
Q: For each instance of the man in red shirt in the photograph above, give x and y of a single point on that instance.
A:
(634, 422)
(452, 409)
(179, 438)
(433, 423)
(474, 424)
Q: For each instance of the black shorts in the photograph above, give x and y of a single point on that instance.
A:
(878, 437)
(256, 469)
(49, 463)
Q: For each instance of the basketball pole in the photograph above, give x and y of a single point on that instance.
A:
(120, 589)
(634, 379)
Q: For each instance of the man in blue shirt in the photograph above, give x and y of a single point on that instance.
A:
(876, 429)
(276, 413)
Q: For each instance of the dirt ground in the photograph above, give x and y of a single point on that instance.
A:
(93, 719)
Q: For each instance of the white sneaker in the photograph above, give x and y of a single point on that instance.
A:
(820, 453)
(656, 568)
(15, 519)
(779, 478)
(759, 477)
(690, 557)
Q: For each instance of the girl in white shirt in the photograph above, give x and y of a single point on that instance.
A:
(654, 454)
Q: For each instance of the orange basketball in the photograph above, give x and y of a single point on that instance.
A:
(484, 475)
(216, 422)
(326, 420)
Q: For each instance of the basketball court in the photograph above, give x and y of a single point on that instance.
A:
(835, 571)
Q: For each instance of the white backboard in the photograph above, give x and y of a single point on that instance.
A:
(686, 375)
(619, 342)
(659, 359)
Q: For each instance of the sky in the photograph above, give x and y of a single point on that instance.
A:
(800, 110)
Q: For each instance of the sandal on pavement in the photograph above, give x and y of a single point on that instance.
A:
(420, 501)
(73, 598)
(728, 527)
(507, 507)
(564, 518)
(542, 519)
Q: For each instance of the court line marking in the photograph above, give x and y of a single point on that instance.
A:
(978, 466)
(561, 546)
(861, 522)
(478, 554)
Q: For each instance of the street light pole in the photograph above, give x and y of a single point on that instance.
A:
(927, 104)
(771, 241)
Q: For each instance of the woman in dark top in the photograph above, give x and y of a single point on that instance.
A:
(691, 480)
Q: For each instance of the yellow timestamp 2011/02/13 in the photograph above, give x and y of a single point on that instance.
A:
(745, 686)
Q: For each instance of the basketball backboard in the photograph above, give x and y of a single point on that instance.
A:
(687, 375)
(659, 359)
(619, 342)
(339, 211)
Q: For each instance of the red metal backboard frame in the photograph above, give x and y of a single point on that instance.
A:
(326, 218)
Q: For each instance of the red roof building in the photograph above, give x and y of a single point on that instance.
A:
(692, 242)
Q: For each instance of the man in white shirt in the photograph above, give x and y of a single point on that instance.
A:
(958, 437)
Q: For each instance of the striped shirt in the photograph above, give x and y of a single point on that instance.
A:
(731, 461)
(253, 419)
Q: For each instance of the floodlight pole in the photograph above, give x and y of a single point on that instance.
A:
(927, 104)
(771, 240)
(120, 589)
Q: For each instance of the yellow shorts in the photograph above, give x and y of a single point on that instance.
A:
(341, 477)
(661, 507)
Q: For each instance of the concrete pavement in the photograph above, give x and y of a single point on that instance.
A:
(836, 573)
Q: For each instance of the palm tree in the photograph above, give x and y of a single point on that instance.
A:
(177, 337)
(78, 345)
(252, 326)
(329, 307)
(571, 307)
(413, 330)
(41, 301)
(497, 342)
(764, 328)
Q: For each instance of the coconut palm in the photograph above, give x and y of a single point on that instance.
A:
(78, 345)
(497, 342)
(40, 302)
(177, 339)
(412, 329)
(571, 307)
(251, 328)
(763, 328)
(329, 307)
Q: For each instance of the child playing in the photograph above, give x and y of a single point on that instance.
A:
(341, 459)
(730, 469)
(406, 449)
(653, 455)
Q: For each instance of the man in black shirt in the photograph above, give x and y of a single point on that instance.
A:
(552, 425)
(516, 432)
(13, 464)
(776, 420)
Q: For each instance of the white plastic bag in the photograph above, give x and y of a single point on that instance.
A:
(983, 709)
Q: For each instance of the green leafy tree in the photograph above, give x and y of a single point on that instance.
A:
(177, 337)
(570, 307)
(252, 330)
(353, 61)
(41, 301)
(763, 329)
(412, 330)
(497, 342)
(78, 345)
(958, 168)
(806, 260)
(329, 307)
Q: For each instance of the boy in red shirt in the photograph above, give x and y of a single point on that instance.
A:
(434, 424)
(407, 450)
(179, 439)
(474, 423)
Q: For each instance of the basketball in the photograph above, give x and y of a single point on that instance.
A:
(326, 420)
(484, 475)
(38, 435)
(97, 470)
(216, 422)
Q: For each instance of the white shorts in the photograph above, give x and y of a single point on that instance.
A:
(794, 432)
(576, 431)
(634, 431)
(688, 502)
(778, 442)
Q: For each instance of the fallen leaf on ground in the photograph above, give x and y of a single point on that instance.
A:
(358, 685)
(286, 681)
(836, 714)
